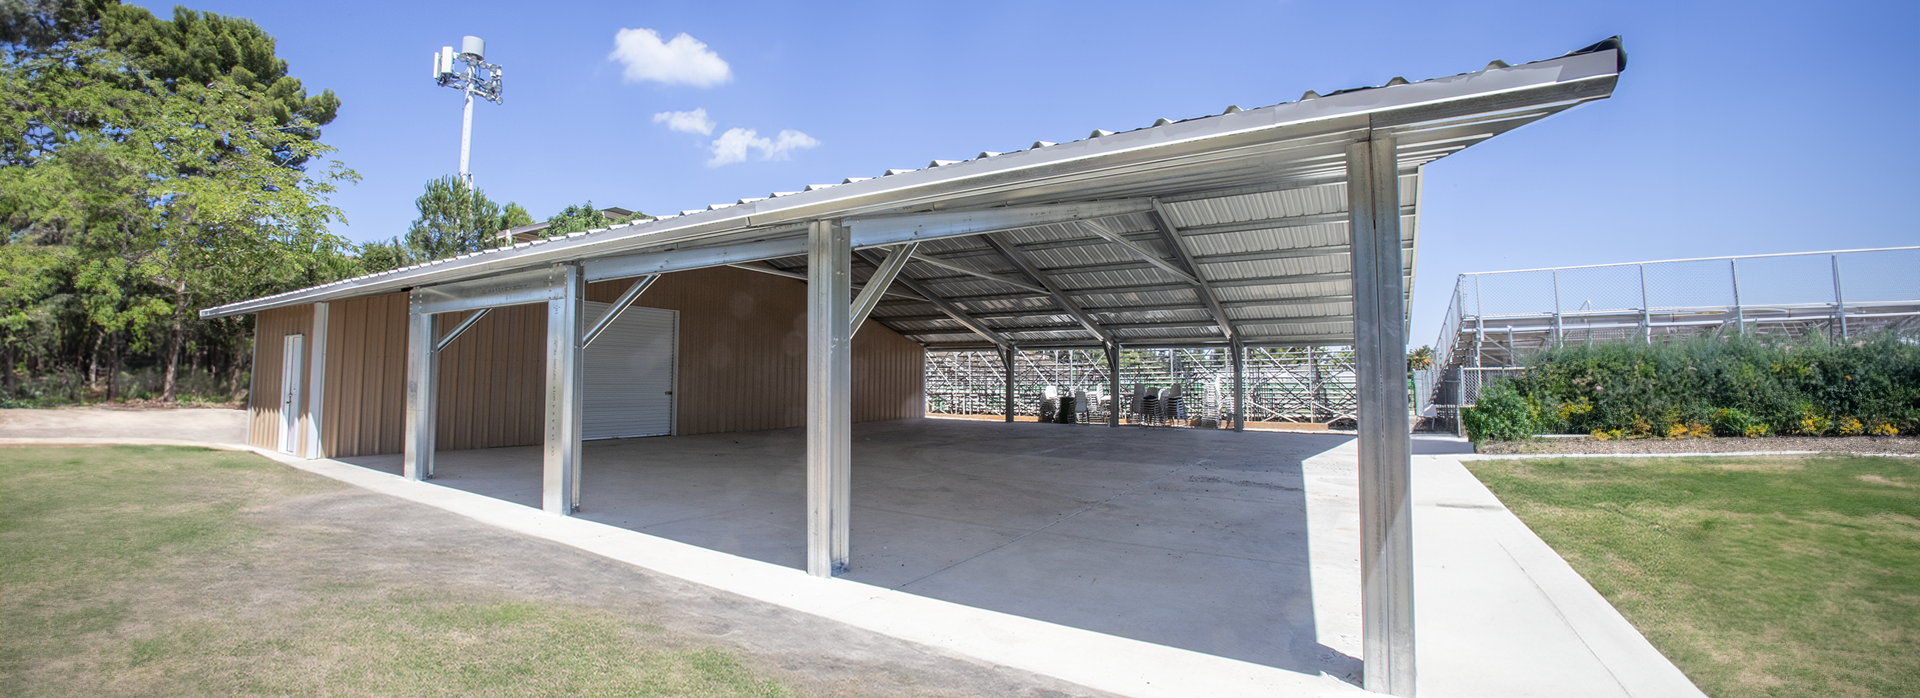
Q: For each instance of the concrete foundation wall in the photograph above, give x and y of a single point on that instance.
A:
(742, 348)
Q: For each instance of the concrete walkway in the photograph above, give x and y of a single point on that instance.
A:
(224, 426)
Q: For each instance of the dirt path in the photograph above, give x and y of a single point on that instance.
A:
(225, 426)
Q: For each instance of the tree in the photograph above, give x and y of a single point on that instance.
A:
(1420, 359)
(455, 220)
(162, 166)
(576, 218)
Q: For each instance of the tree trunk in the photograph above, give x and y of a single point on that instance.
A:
(173, 346)
(93, 360)
(113, 366)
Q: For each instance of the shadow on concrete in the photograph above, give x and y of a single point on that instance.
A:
(1187, 538)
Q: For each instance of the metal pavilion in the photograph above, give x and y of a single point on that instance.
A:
(1288, 225)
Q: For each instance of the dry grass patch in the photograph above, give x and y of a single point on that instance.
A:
(148, 571)
(1768, 576)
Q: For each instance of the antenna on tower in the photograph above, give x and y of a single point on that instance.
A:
(475, 77)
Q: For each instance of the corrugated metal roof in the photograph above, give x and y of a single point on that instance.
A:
(1257, 198)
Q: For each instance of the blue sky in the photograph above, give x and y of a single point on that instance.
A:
(1738, 128)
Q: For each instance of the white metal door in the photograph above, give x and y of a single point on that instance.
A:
(628, 374)
(292, 377)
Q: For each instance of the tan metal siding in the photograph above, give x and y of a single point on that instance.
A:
(493, 379)
(743, 351)
(742, 365)
(889, 375)
(263, 402)
(366, 376)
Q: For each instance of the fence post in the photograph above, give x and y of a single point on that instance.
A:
(1556, 307)
(1739, 314)
(1646, 310)
(1839, 301)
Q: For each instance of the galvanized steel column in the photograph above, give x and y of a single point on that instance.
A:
(423, 372)
(566, 324)
(829, 396)
(1239, 385)
(1006, 362)
(1380, 345)
(1113, 384)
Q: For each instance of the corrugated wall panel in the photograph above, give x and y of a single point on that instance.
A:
(889, 374)
(742, 365)
(493, 380)
(743, 351)
(366, 376)
(263, 403)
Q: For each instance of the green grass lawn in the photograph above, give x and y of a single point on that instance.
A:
(1776, 576)
(142, 571)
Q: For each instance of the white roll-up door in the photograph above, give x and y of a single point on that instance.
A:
(628, 374)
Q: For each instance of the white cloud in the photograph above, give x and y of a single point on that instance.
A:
(695, 121)
(732, 146)
(680, 60)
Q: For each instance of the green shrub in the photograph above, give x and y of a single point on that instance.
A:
(1742, 386)
(1731, 421)
(1501, 414)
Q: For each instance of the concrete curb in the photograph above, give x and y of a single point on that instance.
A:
(1095, 660)
(1695, 454)
(1692, 454)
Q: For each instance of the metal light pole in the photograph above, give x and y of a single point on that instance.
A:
(474, 77)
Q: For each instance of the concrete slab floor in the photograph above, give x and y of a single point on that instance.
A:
(1242, 546)
(1188, 538)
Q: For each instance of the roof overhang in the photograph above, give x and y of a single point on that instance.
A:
(1254, 196)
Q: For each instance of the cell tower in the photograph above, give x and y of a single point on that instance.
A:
(476, 78)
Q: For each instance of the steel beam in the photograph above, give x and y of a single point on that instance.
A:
(941, 304)
(620, 306)
(517, 288)
(1113, 384)
(1380, 344)
(887, 230)
(1185, 253)
(625, 266)
(883, 277)
(928, 259)
(829, 396)
(460, 329)
(1143, 253)
(566, 325)
(1005, 248)
(803, 277)
(423, 374)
